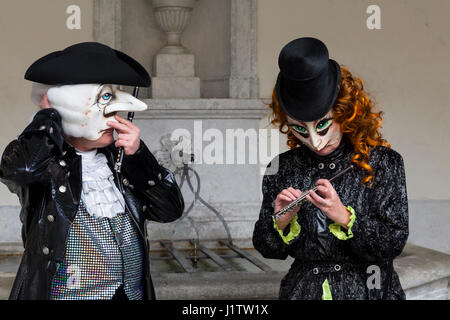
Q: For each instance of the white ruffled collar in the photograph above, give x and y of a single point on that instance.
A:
(99, 193)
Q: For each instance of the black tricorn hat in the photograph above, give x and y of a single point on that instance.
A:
(308, 82)
(88, 62)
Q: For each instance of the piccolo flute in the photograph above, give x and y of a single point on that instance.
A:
(130, 117)
(302, 198)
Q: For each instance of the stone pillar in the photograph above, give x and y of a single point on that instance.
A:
(108, 22)
(243, 82)
(173, 69)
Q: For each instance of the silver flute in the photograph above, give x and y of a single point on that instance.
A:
(297, 202)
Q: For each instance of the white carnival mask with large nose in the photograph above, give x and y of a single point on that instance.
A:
(85, 108)
(318, 134)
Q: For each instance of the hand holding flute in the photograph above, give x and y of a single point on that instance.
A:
(283, 199)
(289, 200)
(128, 135)
(131, 141)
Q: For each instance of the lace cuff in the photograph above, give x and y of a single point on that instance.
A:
(293, 232)
(335, 228)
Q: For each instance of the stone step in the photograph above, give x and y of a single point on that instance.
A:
(10, 256)
(423, 273)
(234, 285)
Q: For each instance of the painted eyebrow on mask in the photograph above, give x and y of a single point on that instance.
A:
(315, 122)
(102, 86)
(98, 95)
(99, 90)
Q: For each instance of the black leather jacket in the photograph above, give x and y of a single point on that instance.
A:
(45, 173)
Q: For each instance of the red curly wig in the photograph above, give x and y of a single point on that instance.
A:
(353, 111)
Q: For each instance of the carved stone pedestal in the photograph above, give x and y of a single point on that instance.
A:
(173, 69)
(174, 77)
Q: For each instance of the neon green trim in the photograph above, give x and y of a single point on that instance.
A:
(326, 291)
(335, 228)
(293, 232)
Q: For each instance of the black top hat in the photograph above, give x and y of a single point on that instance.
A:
(308, 82)
(88, 62)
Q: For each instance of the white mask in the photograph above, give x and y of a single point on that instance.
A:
(85, 108)
(317, 134)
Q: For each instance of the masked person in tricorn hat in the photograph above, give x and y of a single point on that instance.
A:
(345, 235)
(84, 227)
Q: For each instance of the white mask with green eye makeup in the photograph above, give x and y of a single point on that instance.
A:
(85, 108)
(318, 135)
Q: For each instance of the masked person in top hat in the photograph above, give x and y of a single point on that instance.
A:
(84, 227)
(346, 235)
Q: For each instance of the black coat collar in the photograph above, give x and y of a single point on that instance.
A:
(340, 153)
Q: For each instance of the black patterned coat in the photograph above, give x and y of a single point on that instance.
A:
(380, 230)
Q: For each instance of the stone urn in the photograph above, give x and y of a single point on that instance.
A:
(172, 17)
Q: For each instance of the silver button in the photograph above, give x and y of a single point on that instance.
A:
(337, 267)
(332, 166)
(315, 270)
(45, 250)
(151, 183)
(64, 153)
(50, 130)
(125, 182)
(321, 165)
(159, 176)
(62, 163)
(144, 207)
(50, 218)
(62, 189)
(42, 128)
